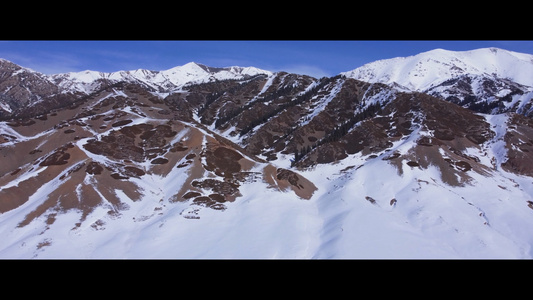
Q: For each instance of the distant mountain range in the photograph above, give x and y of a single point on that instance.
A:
(427, 156)
(159, 81)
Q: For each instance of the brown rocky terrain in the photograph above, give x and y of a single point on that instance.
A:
(100, 149)
(90, 156)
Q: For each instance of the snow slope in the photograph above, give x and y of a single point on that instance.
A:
(426, 219)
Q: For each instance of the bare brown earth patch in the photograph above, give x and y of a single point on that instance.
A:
(279, 178)
(135, 143)
(72, 191)
(221, 160)
(63, 162)
(453, 164)
(52, 147)
(290, 176)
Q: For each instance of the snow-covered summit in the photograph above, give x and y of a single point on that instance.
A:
(196, 73)
(420, 72)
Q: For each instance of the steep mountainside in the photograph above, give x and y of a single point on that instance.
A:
(200, 162)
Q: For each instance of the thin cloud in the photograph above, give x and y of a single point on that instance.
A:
(310, 70)
(112, 61)
(46, 63)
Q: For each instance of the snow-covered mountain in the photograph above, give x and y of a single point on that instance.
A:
(488, 79)
(422, 71)
(265, 165)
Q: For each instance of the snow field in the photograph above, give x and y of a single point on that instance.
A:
(429, 219)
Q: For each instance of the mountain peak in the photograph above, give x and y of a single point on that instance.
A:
(190, 66)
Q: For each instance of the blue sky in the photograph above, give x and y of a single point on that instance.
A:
(316, 57)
